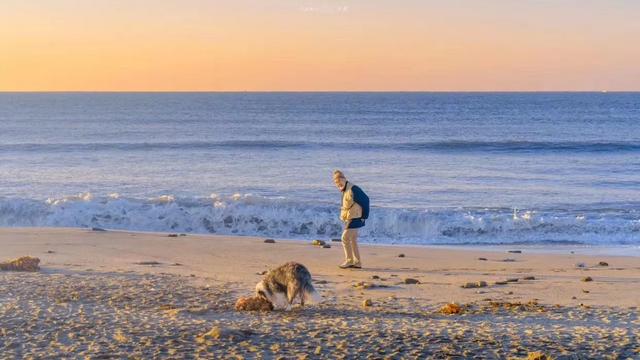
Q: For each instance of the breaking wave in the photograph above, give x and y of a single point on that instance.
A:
(507, 146)
(279, 217)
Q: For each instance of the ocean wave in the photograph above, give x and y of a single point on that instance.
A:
(245, 214)
(434, 146)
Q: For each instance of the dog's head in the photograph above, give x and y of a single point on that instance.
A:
(261, 290)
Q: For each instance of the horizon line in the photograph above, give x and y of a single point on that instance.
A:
(318, 91)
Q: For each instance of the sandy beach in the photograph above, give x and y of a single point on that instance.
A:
(111, 294)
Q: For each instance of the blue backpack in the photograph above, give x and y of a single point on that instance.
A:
(361, 198)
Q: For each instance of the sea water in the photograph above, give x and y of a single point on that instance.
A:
(440, 168)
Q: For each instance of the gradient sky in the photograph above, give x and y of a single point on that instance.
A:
(237, 45)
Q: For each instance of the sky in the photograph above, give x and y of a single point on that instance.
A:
(319, 45)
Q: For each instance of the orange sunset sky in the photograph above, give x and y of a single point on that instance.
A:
(306, 45)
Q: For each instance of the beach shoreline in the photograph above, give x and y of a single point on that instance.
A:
(159, 295)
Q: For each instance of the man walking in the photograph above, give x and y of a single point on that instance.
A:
(354, 209)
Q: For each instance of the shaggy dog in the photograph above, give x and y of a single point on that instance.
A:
(282, 285)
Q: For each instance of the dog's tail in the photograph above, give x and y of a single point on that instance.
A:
(311, 296)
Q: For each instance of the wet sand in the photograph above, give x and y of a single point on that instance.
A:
(107, 294)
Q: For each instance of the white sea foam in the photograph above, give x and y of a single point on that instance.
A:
(246, 214)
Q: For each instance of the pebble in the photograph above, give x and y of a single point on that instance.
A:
(401, 255)
(603, 263)
(269, 241)
(482, 259)
(411, 281)
(515, 251)
(529, 278)
(172, 235)
(587, 279)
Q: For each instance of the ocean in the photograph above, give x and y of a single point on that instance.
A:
(440, 168)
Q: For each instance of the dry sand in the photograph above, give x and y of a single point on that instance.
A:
(107, 294)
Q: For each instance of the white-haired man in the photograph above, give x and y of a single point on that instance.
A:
(354, 209)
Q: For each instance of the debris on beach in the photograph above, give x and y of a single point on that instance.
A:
(269, 241)
(515, 251)
(537, 355)
(411, 281)
(587, 279)
(500, 283)
(531, 305)
(482, 259)
(473, 285)
(152, 262)
(400, 255)
(451, 308)
(326, 246)
(603, 263)
(97, 229)
(508, 260)
(24, 263)
(318, 242)
(217, 333)
(254, 303)
(363, 285)
(529, 278)
(172, 235)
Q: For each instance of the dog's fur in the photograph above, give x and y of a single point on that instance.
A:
(282, 285)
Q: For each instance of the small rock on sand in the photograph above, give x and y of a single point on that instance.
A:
(508, 260)
(529, 278)
(367, 303)
(411, 281)
(603, 263)
(326, 246)
(587, 279)
(401, 255)
(97, 229)
(152, 262)
(500, 283)
(50, 252)
(482, 259)
(269, 241)
(375, 277)
(512, 280)
(477, 284)
(515, 251)
(172, 235)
